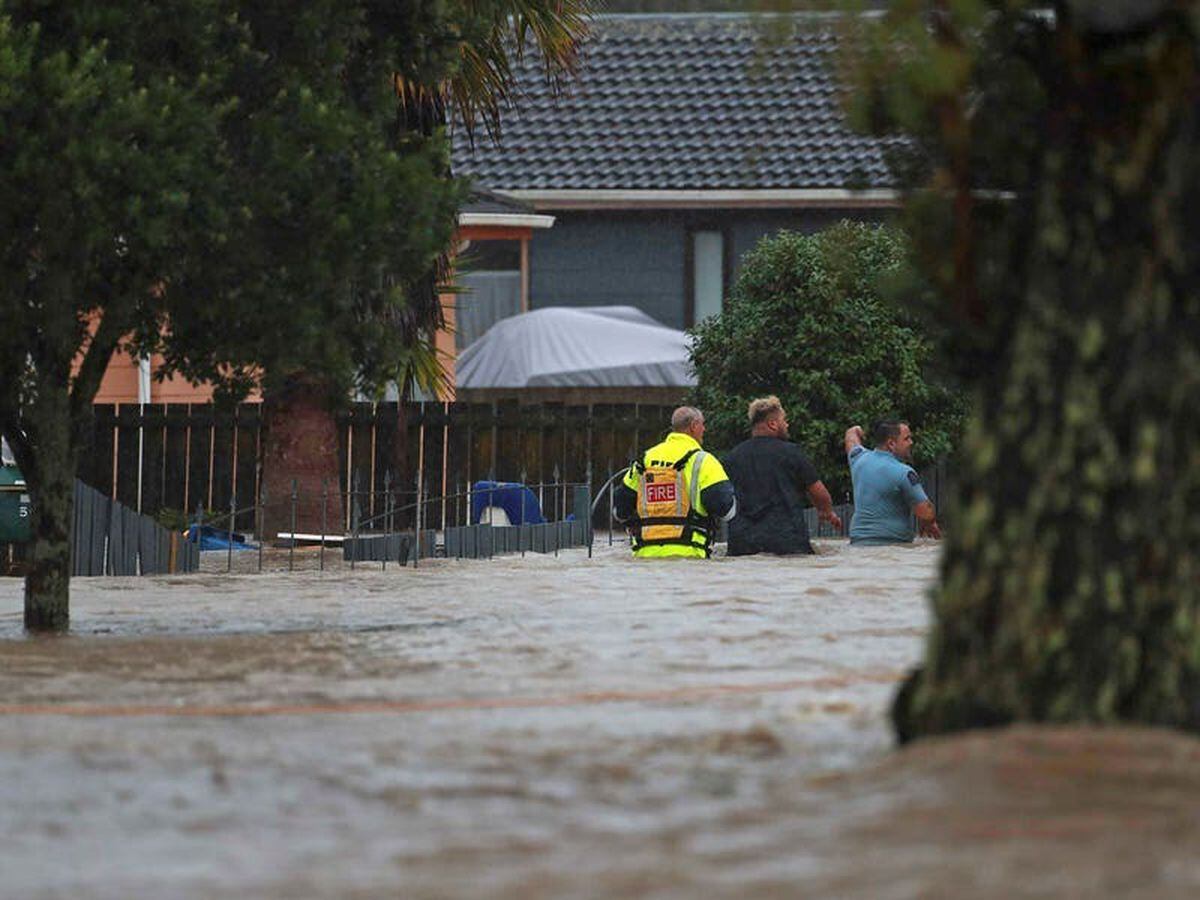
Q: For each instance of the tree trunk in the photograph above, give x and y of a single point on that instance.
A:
(300, 443)
(50, 475)
(1070, 586)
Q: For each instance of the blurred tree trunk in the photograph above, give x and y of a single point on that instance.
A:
(300, 442)
(1070, 586)
(50, 477)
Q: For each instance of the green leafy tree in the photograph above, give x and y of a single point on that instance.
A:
(326, 159)
(448, 65)
(218, 182)
(808, 320)
(1053, 174)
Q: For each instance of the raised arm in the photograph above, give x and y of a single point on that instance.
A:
(819, 495)
(855, 437)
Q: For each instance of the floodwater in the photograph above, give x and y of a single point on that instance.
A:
(546, 727)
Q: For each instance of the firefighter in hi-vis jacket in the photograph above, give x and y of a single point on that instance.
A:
(672, 498)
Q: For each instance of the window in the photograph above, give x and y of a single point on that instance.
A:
(489, 278)
(708, 274)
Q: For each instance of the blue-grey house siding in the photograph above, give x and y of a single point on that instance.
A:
(596, 258)
(677, 123)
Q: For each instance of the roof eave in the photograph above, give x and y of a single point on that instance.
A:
(582, 199)
(505, 220)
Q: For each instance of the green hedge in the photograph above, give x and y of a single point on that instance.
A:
(807, 320)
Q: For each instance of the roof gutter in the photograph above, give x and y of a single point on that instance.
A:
(505, 220)
(569, 199)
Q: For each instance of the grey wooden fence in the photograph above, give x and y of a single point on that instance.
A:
(108, 538)
(486, 541)
(400, 548)
(479, 541)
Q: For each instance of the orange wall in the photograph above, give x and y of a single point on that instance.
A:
(120, 382)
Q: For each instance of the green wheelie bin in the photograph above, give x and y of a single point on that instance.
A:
(14, 506)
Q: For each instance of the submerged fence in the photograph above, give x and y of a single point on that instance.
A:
(153, 457)
(496, 519)
(178, 457)
(500, 519)
(108, 538)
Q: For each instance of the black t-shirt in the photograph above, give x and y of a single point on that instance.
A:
(770, 476)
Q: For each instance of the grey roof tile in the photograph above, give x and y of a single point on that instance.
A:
(682, 102)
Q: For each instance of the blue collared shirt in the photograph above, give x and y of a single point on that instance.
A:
(885, 492)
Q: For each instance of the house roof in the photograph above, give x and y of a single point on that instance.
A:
(683, 102)
(485, 202)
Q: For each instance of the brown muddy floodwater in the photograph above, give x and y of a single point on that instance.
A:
(547, 727)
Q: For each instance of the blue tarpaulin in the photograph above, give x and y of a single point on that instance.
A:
(210, 538)
(519, 503)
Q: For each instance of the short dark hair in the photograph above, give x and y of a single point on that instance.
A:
(884, 430)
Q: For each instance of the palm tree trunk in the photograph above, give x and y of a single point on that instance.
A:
(300, 454)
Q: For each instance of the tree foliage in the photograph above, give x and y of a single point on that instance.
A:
(229, 184)
(808, 320)
(245, 188)
(1052, 175)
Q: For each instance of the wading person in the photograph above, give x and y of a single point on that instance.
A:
(769, 474)
(887, 489)
(673, 496)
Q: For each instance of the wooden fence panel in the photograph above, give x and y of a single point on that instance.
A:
(430, 445)
(508, 464)
(246, 472)
(481, 426)
(97, 464)
(200, 448)
(128, 431)
(148, 546)
(176, 458)
(153, 453)
(91, 548)
(222, 462)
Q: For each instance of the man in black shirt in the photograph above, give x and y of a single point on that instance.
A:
(768, 473)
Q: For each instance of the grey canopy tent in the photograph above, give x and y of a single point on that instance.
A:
(600, 352)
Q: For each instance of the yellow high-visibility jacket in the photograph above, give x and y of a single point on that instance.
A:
(671, 517)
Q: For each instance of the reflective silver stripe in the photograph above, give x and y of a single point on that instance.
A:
(679, 493)
(694, 492)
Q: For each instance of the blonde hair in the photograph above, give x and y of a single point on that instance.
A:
(762, 409)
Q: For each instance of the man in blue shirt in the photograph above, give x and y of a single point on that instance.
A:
(887, 490)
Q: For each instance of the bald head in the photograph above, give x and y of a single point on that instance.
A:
(688, 420)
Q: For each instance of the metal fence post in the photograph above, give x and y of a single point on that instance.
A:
(387, 517)
(609, 486)
(558, 487)
(324, 520)
(199, 532)
(587, 507)
(417, 521)
(262, 516)
(521, 524)
(292, 542)
(354, 517)
(232, 513)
